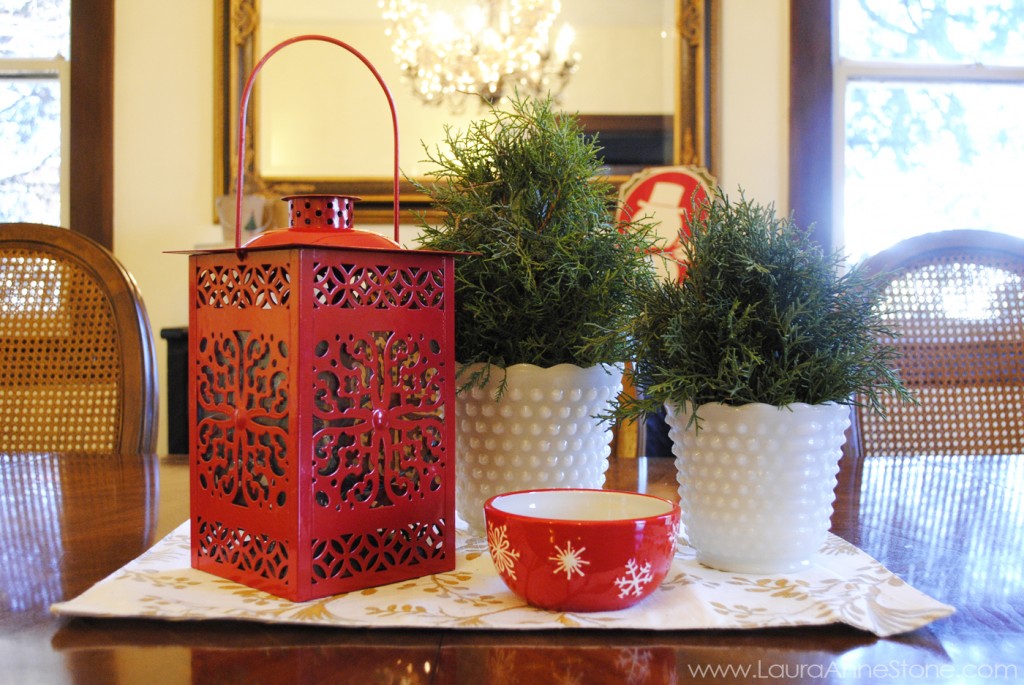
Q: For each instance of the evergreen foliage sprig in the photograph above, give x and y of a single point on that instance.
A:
(553, 271)
(763, 315)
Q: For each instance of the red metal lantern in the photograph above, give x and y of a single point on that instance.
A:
(321, 399)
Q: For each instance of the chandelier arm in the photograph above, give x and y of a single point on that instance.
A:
(244, 108)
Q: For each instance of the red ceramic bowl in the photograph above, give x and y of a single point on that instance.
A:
(581, 550)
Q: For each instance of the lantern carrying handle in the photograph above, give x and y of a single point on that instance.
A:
(244, 108)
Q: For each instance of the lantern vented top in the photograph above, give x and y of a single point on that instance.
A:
(324, 220)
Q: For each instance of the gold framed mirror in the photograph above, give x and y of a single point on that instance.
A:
(243, 34)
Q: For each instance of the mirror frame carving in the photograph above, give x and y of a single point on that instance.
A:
(235, 26)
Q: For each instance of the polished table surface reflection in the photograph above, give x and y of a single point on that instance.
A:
(951, 526)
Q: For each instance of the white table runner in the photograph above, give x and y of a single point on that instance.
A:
(843, 585)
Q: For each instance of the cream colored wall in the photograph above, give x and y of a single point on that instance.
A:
(163, 144)
(754, 107)
(163, 153)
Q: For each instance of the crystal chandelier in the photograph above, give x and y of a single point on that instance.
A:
(491, 48)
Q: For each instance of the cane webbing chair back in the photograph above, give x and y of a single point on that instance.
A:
(956, 299)
(78, 361)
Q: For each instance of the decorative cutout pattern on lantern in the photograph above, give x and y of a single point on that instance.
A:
(323, 379)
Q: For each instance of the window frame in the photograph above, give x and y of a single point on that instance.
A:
(91, 152)
(811, 117)
(817, 92)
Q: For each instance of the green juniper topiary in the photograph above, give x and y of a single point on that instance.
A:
(763, 315)
(552, 271)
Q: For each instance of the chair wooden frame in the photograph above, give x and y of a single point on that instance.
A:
(995, 362)
(138, 391)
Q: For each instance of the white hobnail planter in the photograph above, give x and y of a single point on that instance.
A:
(541, 433)
(756, 482)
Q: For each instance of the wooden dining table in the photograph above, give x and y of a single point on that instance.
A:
(953, 527)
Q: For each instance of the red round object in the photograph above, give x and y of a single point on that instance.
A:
(666, 195)
(581, 550)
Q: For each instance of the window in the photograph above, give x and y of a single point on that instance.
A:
(89, 108)
(35, 41)
(928, 119)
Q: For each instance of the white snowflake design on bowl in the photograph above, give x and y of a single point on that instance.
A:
(673, 536)
(569, 560)
(637, 577)
(502, 554)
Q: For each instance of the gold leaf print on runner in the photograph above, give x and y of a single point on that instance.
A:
(251, 596)
(160, 580)
(682, 579)
(744, 615)
(315, 612)
(784, 588)
(455, 586)
(395, 609)
(836, 546)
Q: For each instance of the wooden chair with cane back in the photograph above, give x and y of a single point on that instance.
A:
(79, 366)
(956, 301)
